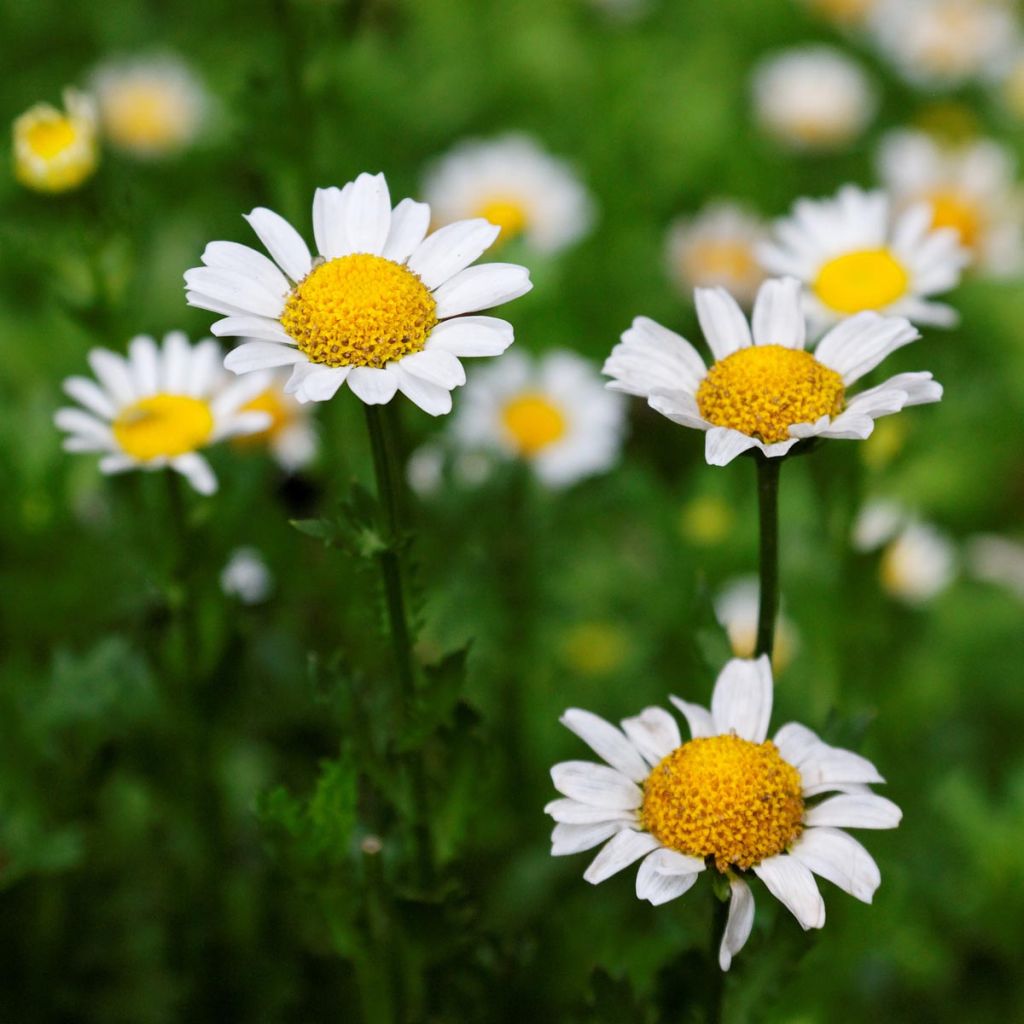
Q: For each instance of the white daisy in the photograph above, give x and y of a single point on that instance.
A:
(996, 559)
(764, 390)
(812, 98)
(727, 800)
(246, 576)
(971, 188)
(54, 150)
(159, 407)
(853, 254)
(736, 608)
(716, 249)
(513, 183)
(381, 308)
(291, 436)
(552, 412)
(943, 43)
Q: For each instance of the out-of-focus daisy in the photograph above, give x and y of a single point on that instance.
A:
(707, 520)
(715, 249)
(553, 412)
(54, 150)
(943, 43)
(812, 98)
(246, 576)
(845, 13)
(513, 183)
(736, 608)
(853, 254)
(997, 560)
(159, 407)
(595, 648)
(971, 188)
(764, 390)
(149, 107)
(728, 800)
(291, 435)
(381, 308)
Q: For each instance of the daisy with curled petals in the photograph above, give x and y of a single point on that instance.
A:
(853, 254)
(159, 407)
(728, 800)
(382, 307)
(764, 390)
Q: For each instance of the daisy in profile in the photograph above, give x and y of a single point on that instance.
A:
(728, 800)
(291, 435)
(736, 609)
(971, 188)
(812, 98)
(853, 254)
(513, 183)
(763, 389)
(382, 307)
(552, 412)
(151, 107)
(56, 150)
(941, 44)
(159, 407)
(716, 249)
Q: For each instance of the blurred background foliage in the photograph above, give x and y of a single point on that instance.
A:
(180, 833)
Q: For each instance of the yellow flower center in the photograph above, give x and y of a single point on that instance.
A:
(716, 258)
(281, 415)
(533, 421)
(867, 279)
(163, 425)
(763, 390)
(508, 214)
(953, 210)
(145, 116)
(50, 136)
(724, 797)
(359, 310)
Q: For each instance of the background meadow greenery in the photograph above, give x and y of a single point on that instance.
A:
(180, 834)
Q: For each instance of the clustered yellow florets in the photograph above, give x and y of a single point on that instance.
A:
(533, 422)
(860, 280)
(763, 390)
(359, 310)
(724, 797)
(163, 426)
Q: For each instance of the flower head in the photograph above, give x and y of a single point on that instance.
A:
(54, 150)
(853, 254)
(729, 800)
(764, 390)
(381, 308)
(736, 608)
(159, 407)
(291, 435)
(514, 184)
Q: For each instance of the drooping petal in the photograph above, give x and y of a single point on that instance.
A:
(197, 471)
(621, 850)
(793, 885)
(839, 858)
(739, 923)
(723, 444)
(855, 810)
(373, 386)
(654, 733)
(665, 875)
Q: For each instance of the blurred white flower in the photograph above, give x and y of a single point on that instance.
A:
(54, 150)
(971, 188)
(812, 98)
(291, 437)
(716, 248)
(878, 521)
(736, 608)
(997, 560)
(513, 183)
(246, 576)
(424, 471)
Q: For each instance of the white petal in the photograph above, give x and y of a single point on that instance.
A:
(175, 362)
(311, 382)
(329, 221)
(826, 766)
(793, 885)
(596, 784)
(652, 358)
(572, 812)
(433, 399)
(654, 733)
(117, 463)
(251, 327)
(619, 852)
(778, 314)
(796, 742)
(261, 355)
(471, 336)
(282, 241)
(742, 699)
(451, 249)
(145, 363)
(739, 923)
(373, 386)
(89, 394)
(236, 289)
(197, 471)
(725, 327)
(665, 875)
(606, 741)
(839, 858)
(204, 368)
(678, 406)
(480, 287)
(201, 301)
(435, 367)
(855, 346)
(79, 422)
(699, 719)
(368, 214)
(723, 444)
(410, 222)
(112, 372)
(858, 810)
(249, 263)
(569, 839)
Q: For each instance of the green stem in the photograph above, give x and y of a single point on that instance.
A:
(768, 509)
(716, 976)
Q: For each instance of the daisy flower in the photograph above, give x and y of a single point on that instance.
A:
(812, 98)
(381, 308)
(728, 800)
(763, 390)
(246, 576)
(54, 150)
(716, 248)
(291, 436)
(552, 412)
(149, 107)
(159, 407)
(971, 188)
(513, 183)
(853, 254)
(998, 560)
(736, 608)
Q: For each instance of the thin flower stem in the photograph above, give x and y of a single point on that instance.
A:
(768, 509)
(716, 976)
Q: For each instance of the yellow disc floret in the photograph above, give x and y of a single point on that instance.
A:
(507, 214)
(163, 426)
(281, 413)
(953, 210)
(866, 279)
(763, 390)
(533, 422)
(726, 798)
(359, 310)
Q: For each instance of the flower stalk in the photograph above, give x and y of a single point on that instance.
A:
(768, 514)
